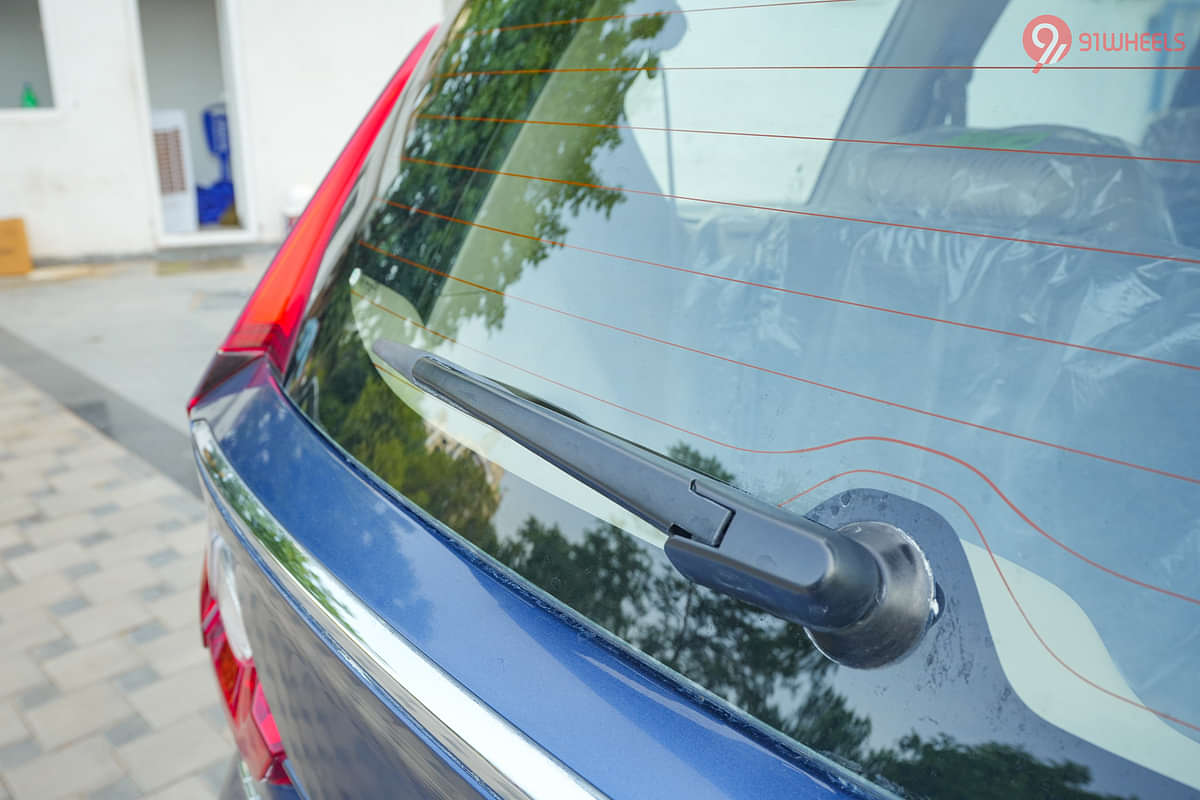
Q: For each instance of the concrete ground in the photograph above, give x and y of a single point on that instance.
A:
(105, 688)
(145, 329)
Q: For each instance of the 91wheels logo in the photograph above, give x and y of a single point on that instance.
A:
(1047, 39)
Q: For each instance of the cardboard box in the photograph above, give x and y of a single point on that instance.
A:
(14, 248)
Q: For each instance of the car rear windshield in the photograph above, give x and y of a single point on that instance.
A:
(930, 263)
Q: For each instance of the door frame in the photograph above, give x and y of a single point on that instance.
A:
(232, 77)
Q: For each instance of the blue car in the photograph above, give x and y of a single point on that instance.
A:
(784, 399)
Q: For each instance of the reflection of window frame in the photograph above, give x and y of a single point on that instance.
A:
(49, 56)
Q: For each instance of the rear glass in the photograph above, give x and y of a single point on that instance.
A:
(931, 263)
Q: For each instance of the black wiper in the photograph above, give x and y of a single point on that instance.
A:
(864, 593)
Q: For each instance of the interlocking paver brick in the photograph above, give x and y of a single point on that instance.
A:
(161, 757)
(124, 789)
(17, 480)
(124, 547)
(93, 476)
(18, 753)
(175, 652)
(77, 714)
(17, 550)
(139, 517)
(16, 507)
(97, 451)
(18, 672)
(104, 619)
(143, 489)
(51, 559)
(57, 505)
(163, 557)
(99, 645)
(12, 729)
(9, 533)
(91, 663)
(60, 529)
(27, 629)
(147, 633)
(80, 767)
(152, 593)
(136, 678)
(38, 464)
(83, 568)
(127, 730)
(184, 573)
(178, 609)
(127, 579)
(187, 789)
(40, 592)
(69, 605)
(54, 649)
(37, 696)
(176, 696)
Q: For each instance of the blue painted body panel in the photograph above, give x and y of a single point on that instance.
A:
(628, 728)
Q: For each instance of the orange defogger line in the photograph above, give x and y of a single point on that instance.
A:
(1004, 579)
(813, 214)
(799, 67)
(662, 13)
(796, 292)
(797, 137)
(793, 451)
(786, 375)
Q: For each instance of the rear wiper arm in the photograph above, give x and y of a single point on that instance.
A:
(864, 593)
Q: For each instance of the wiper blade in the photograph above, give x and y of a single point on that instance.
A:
(864, 593)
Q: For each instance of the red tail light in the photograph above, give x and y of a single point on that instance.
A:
(249, 714)
(268, 324)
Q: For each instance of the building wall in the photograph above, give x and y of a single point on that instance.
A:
(81, 174)
(310, 70)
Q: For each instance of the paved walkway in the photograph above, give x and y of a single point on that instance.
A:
(105, 691)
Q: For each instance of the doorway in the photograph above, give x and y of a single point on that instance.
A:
(197, 152)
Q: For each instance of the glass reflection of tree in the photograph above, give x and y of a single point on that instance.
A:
(941, 768)
(566, 153)
(761, 664)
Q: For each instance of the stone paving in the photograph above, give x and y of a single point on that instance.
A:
(105, 691)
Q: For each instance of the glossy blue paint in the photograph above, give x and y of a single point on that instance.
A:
(344, 735)
(622, 724)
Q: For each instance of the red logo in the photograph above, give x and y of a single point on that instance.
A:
(1047, 39)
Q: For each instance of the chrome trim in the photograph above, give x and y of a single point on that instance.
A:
(510, 763)
(249, 785)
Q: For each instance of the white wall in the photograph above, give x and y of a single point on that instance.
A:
(22, 53)
(310, 70)
(183, 68)
(80, 173)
